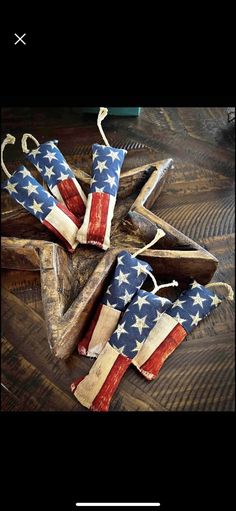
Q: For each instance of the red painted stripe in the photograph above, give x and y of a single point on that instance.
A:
(98, 218)
(77, 221)
(102, 401)
(71, 196)
(84, 343)
(58, 234)
(153, 365)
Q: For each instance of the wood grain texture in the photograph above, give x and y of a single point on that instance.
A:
(68, 307)
(197, 199)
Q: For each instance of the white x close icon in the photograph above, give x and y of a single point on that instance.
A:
(20, 38)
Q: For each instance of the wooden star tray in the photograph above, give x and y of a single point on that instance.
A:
(72, 285)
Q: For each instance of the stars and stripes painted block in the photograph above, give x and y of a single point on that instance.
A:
(95, 390)
(57, 174)
(107, 163)
(192, 306)
(30, 194)
(129, 275)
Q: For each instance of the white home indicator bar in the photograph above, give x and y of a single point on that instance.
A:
(118, 504)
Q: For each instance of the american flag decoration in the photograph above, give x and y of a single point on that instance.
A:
(107, 163)
(95, 390)
(129, 275)
(57, 174)
(31, 195)
(191, 307)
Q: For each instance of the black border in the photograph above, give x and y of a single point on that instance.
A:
(52, 459)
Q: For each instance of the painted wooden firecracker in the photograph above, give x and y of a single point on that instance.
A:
(56, 173)
(95, 390)
(192, 306)
(129, 275)
(107, 163)
(30, 194)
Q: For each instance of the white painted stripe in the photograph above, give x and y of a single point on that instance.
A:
(80, 190)
(82, 232)
(58, 219)
(157, 335)
(106, 324)
(112, 202)
(90, 386)
(118, 504)
(56, 193)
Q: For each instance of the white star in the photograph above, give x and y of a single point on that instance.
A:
(35, 152)
(113, 305)
(118, 170)
(178, 303)
(138, 346)
(52, 145)
(140, 323)
(111, 181)
(51, 156)
(108, 289)
(31, 188)
(126, 297)
(36, 207)
(198, 300)
(179, 319)
(99, 190)
(38, 167)
(119, 260)
(215, 300)
(65, 165)
(95, 155)
(140, 268)
(157, 316)
(49, 172)
(62, 177)
(101, 165)
(195, 284)
(122, 278)
(120, 330)
(113, 155)
(93, 180)
(195, 319)
(24, 172)
(120, 350)
(141, 301)
(11, 187)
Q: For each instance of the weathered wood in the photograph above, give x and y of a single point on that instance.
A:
(65, 327)
(67, 317)
(197, 200)
(21, 254)
(130, 180)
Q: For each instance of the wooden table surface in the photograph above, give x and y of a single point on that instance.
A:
(197, 199)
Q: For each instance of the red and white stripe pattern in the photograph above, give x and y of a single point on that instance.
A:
(128, 276)
(161, 342)
(96, 228)
(55, 216)
(70, 193)
(191, 307)
(58, 176)
(64, 225)
(101, 328)
(95, 390)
